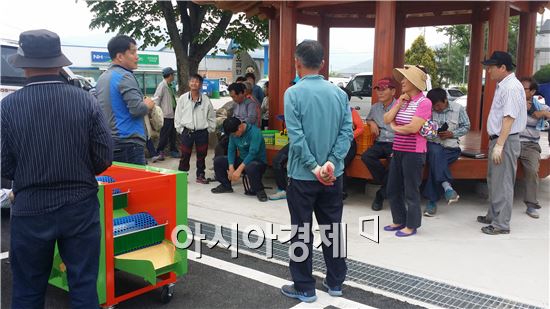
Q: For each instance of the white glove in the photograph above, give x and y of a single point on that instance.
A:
(497, 154)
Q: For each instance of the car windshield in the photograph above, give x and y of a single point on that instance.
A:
(361, 86)
(11, 76)
(455, 93)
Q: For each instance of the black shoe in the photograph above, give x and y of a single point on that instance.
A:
(483, 219)
(262, 197)
(378, 202)
(221, 189)
(491, 230)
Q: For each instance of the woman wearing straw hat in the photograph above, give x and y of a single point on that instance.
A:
(409, 150)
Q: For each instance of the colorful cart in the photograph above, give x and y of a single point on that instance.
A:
(140, 206)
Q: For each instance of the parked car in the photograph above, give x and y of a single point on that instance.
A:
(339, 81)
(360, 87)
(453, 94)
(462, 100)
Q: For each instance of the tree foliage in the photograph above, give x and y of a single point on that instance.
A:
(192, 30)
(542, 76)
(421, 54)
(450, 56)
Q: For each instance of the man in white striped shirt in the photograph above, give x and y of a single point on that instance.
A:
(507, 118)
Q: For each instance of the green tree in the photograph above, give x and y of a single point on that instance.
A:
(421, 54)
(542, 76)
(192, 30)
(450, 56)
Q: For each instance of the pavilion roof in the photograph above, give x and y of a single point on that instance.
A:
(362, 13)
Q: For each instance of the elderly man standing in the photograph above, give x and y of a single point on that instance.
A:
(122, 101)
(444, 149)
(315, 169)
(507, 118)
(530, 148)
(55, 139)
(165, 97)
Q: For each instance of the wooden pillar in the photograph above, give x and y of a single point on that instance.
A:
(475, 71)
(384, 41)
(399, 55)
(526, 45)
(287, 46)
(499, 16)
(323, 36)
(274, 72)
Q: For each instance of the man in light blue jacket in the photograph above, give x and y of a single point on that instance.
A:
(318, 119)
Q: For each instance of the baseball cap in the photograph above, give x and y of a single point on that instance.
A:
(499, 58)
(386, 82)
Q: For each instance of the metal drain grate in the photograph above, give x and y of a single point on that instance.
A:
(421, 289)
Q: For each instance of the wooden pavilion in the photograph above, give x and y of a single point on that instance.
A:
(390, 19)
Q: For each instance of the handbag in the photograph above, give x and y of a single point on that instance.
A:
(156, 118)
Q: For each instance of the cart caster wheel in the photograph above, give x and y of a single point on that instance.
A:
(166, 293)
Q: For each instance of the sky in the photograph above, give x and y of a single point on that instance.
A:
(71, 18)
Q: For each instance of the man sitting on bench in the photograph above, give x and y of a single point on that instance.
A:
(382, 148)
(444, 149)
(249, 141)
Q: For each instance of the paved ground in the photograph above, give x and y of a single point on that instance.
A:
(215, 280)
(448, 248)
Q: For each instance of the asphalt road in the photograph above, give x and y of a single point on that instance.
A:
(204, 286)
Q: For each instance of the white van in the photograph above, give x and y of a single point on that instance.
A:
(12, 79)
(360, 87)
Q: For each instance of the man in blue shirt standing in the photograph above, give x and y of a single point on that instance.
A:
(55, 139)
(318, 119)
(122, 101)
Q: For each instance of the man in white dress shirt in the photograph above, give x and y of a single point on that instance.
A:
(507, 118)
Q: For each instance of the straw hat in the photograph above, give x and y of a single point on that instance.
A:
(413, 74)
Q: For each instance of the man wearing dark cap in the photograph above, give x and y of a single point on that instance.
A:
(165, 97)
(55, 139)
(507, 118)
(122, 101)
(382, 148)
(251, 160)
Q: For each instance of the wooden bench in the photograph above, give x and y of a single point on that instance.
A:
(463, 168)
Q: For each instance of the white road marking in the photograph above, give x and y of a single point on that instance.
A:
(321, 275)
(323, 299)
(4, 255)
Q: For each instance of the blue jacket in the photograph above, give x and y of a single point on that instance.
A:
(318, 119)
(121, 99)
(251, 146)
